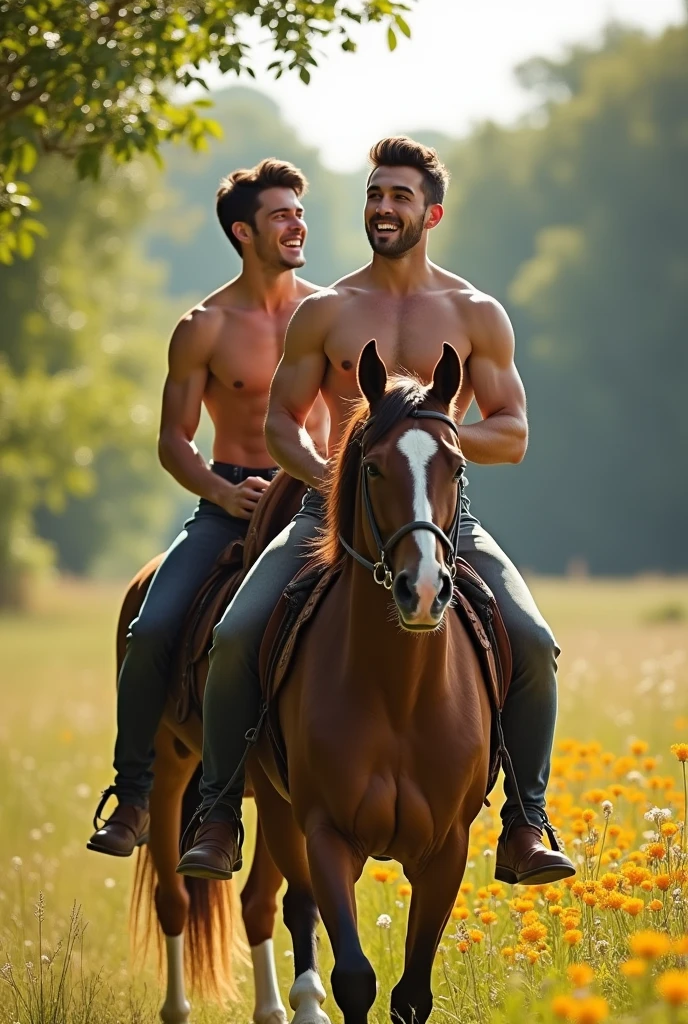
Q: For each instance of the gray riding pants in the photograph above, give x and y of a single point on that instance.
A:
(232, 696)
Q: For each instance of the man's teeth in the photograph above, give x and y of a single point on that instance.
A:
(386, 227)
(295, 243)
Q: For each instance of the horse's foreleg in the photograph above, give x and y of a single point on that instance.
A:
(434, 892)
(287, 846)
(172, 775)
(335, 868)
(259, 908)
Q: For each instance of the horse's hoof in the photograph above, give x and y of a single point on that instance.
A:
(310, 1015)
(176, 1014)
(278, 1016)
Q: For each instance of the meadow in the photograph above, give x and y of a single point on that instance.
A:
(612, 944)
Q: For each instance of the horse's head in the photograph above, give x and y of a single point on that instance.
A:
(410, 466)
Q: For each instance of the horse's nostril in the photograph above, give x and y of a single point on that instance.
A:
(446, 590)
(404, 595)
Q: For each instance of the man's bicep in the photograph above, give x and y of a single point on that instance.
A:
(300, 372)
(187, 376)
(496, 382)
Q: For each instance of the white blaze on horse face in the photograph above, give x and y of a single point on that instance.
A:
(419, 447)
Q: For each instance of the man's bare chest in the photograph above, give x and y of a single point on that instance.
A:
(408, 337)
(248, 351)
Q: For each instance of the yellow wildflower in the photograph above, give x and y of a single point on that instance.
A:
(404, 890)
(488, 917)
(655, 906)
(680, 750)
(562, 1007)
(633, 968)
(656, 851)
(591, 1010)
(580, 975)
(638, 747)
(573, 936)
(650, 944)
(475, 935)
(460, 913)
(672, 986)
(633, 906)
(533, 932)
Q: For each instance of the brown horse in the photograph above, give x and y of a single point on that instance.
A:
(384, 714)
(203, 911)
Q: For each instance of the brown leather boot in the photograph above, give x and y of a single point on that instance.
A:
(216, 851)
(523, 859)
(124, 830)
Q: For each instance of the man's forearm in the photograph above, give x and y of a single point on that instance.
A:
(292, 448)
(184, 462)
(499, 438)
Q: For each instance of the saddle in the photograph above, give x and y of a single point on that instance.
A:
(281, 502)
(473, 602)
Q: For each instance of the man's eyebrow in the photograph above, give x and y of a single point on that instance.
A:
(393, 188)
(286, 209)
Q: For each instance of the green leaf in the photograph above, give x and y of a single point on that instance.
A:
(403, 26)
(304, 75)
(391, 38)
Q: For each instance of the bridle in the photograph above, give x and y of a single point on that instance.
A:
(382, 573)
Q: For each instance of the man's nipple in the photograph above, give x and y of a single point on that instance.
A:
(238, 383)
(346, 364)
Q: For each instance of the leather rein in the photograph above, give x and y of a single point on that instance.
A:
(382, 573)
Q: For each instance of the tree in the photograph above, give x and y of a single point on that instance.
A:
(92, 81)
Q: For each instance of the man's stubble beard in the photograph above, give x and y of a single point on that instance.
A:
(407, 239)
(273, 259)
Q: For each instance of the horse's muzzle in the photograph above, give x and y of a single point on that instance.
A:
(421, 606)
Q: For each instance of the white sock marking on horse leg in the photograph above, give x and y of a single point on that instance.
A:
(307, 993)
(269, 1006)
(176, 1008)
(419, 447)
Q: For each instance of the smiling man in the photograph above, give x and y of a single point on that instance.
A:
(411, 306)
(223, 354)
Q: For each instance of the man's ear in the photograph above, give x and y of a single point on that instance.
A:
(242, 232)
(371, 374)
(433, 215)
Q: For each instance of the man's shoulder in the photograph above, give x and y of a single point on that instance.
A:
(479, 308)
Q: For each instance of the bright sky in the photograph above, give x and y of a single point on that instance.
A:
(456, 70)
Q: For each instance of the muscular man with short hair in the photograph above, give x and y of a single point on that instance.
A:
(222, 355)
(411, 307)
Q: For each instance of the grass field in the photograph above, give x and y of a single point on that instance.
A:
(623, 702)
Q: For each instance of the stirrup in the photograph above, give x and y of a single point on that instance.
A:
(104, 797)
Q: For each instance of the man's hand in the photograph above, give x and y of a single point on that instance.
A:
(241, 499)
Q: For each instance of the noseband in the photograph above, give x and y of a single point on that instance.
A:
(382, 574)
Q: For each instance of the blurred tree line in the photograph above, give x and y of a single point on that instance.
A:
(575, 220)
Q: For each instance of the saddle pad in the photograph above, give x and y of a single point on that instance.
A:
(299, 602)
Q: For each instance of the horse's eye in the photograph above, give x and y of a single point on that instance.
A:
(459, 473)
(371, 469)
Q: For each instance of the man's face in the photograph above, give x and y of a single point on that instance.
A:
(396, 210)
(280, 232)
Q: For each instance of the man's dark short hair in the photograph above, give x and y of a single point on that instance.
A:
(400, 151)
(238, 197)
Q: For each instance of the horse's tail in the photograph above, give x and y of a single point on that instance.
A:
(212, 938)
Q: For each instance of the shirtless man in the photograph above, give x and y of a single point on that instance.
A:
(411, 307)
(222, 354)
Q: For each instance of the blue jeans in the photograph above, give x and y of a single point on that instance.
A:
(232, 696)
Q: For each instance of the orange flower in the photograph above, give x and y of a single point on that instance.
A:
(463, 946)
(573, 936)
(633, 968)
(552, 895)
(680, 750)
(555, 910)
(488, 917)
(591, 1010)
(460, 913)
(466, 887)
(381, 874)
(672, 986)
(655, 906)
(588, 816)
(522, 906)
(610, 881)
(580, 975)
(615, 900)
(680, 946)
(650, 944)
(563, 1007)
(656, 851)
(508, 952)
(638, 747)
(669, 829)
(404, 890)
(533, 932)
(475, 935)
(496, 889)
(633, 906)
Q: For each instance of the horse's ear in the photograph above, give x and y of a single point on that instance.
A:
(446, 378)
(372, 375)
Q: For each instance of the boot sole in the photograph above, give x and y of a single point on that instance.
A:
(538, 876)
(116, 853)
(203, 871)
